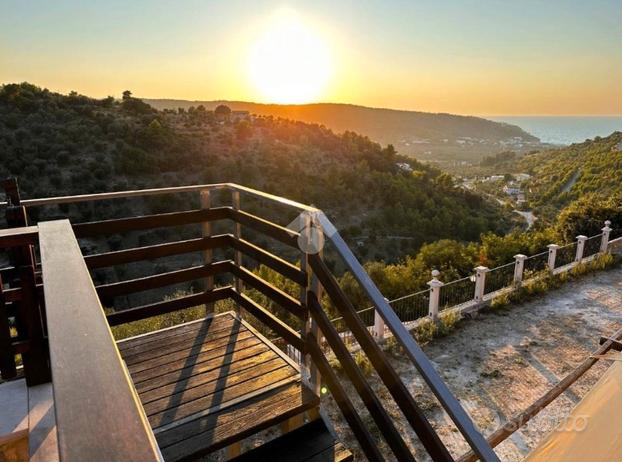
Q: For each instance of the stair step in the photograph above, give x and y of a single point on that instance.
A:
(312, 442)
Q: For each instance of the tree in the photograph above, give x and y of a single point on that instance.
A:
(222, 111)
(127, 95)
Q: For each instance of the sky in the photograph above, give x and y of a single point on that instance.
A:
(486, 57)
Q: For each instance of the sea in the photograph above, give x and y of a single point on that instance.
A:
(564, 130)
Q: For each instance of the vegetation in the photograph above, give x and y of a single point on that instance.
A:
(564, 175)
(71, 144)
(425, 135)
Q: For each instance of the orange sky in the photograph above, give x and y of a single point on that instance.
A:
(556, 57)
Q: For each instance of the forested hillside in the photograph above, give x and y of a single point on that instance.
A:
(423, 134)
(563, 175)
(71, 144)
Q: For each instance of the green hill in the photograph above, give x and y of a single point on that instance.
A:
(71, 144)
(427, 135)
(563, 175)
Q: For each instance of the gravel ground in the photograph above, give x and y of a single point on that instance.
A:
(500, 362)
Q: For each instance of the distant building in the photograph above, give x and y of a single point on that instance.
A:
(522, 176)
(495, 178)
(240, 115)
(404, 167)
(512, 190)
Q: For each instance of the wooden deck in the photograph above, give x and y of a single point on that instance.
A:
(210, 383)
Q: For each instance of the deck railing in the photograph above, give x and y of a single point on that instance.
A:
(298, 318)
(93, 392)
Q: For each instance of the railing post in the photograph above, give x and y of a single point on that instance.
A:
(604, 243)
(519, 268)
(7, 356)
(31, 315)
(208, 255)
(480, 282)
(313, 379)
(580, 247)
(237, 233)
(552, 254)
(379, 325)
(11, 190)
(435, 293)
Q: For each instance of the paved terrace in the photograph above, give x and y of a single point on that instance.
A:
(502, 361)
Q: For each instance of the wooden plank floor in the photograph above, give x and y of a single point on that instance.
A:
(210, 383)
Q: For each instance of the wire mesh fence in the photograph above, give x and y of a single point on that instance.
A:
(499, 277)
(457, 292)
(566, 255)
(535, 264)
(592, 245)
(412, 307)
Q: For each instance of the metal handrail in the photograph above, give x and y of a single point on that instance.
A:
(157, 191)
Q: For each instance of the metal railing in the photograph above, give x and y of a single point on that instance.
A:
(456, 293)
(499, 278)
(566, 255)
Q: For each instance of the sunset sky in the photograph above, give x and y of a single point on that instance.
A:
(460, 56)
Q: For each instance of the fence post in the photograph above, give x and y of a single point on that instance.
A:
(379, 325)
(237, 256)
(552, 254)
(480, 282)
(519, 268)
(580, 247)
(312, 377)
(435, 292)
(206, 231)
(604, 243)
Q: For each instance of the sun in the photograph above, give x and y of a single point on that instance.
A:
(289, 62)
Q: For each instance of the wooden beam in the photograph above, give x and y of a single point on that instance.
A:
(275, 324)
(279, 265)
(280, 233)
(92, 388)
(123, 225)
(161, 280)
(402, 397)
(371, 401)
(151, 252)
(273, 293)
(17, 237)
(364, 438)
(167, 306)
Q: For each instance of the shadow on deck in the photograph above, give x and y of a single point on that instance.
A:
(210, 383)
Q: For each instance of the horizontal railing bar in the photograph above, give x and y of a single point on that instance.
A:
(92, 388)
(116, 195)
(402, 397)
(157, 191)
(161, 280)
(151, 252)
(167, 306)
(420, 360)
(280, 233)
(273, 293)
(16, 237)
(288, 270)
(121, 225)
(275, 324)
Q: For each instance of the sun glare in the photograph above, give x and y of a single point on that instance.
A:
(289, 62)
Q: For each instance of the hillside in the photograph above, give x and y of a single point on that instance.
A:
(426, 135)
(563, 175)
(70, 144)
